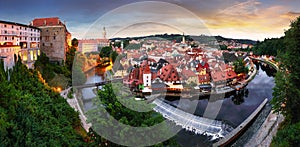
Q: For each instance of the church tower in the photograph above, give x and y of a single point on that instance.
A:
(183, 39)
(104, 33)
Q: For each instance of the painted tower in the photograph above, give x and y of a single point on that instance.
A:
(104, 33)
(147, 76)
(183, 38)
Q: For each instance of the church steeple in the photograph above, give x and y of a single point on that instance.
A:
(104, 33)
(183, 38)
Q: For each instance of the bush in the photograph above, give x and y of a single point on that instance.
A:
(288, 136)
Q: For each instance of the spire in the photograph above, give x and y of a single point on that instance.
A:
(183, 38)
(104, 33)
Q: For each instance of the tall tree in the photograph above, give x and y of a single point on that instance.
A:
(31, 114)
(114, 98)
(239, 66)
(74, 42)
(286, 96)
(105, 51)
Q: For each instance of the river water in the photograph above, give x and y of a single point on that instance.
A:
(236, 107)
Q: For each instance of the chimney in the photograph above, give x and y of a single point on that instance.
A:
(58, 21)
(45, 22)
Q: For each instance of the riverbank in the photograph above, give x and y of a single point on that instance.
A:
(267, 131)
(265, 126)
(238, 130)
(267, 62)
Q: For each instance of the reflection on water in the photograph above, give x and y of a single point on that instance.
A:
(236, 107)
(239, 96)
(88, 93)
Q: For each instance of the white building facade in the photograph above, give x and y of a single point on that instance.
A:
(19, 39)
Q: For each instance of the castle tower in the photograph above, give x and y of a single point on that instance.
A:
(122, 45)
(104, 33)
(183, 39)
(147, 76)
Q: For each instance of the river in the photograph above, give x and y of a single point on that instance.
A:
(235, 108)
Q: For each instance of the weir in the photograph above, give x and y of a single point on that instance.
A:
(199, 125)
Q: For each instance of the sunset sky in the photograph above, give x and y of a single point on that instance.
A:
(247, 19)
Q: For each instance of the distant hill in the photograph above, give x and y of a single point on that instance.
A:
(243, 41)
(201, 38)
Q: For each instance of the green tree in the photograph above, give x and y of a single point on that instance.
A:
(269, 46)
(70, 57)
(239, 66)
(114, 99)
(286, 95)
(105, 51)
(288, 136)
(114, 56)
(78, 76)
(31, 114)
(74, 42)
(286, 91)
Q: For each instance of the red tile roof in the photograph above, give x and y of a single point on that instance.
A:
(230, 74)
(169, 74)
(146, 69)
(53, 21)
(188, 73)
(218, 76)
(203, 78)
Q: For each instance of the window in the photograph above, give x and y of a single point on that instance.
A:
(25, 38)
(54, 37)
(12, 26)
(5, 26)
(43, 44)
(5, 32)
(5, 38)
(25, 28)
(13, 38)
(20, 33)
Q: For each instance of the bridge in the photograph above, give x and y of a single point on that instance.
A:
(198, 125)
(98, 83)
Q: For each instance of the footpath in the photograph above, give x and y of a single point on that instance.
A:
(267, 131)
(75, 105)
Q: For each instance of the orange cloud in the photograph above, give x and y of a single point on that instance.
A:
(251, 18)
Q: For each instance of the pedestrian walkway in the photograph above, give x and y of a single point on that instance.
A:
(75, 105)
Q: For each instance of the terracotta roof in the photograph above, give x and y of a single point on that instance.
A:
(218, 76)
(202, 65)
(187, 73)
(203, 78)
(230, 74)
(169, 74)
(146, 69)
(52, 21)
